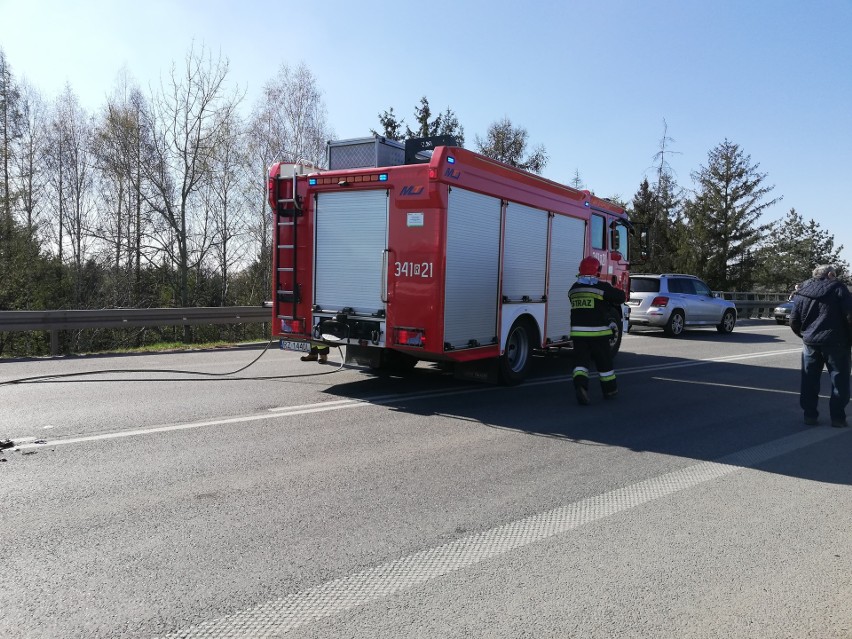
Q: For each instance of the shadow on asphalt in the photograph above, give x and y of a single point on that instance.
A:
(666, 405)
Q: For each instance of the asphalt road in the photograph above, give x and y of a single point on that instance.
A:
(313, 500)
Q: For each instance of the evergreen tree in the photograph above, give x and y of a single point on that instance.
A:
(723, 218)
(391, 126)
(642, 212)
(790, 251)
(425, 125)
(27, 276)
(445, 123)
(655, 210)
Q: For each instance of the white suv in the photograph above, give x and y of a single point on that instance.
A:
(674, 302)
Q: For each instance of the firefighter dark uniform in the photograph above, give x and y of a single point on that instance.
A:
(591, 308)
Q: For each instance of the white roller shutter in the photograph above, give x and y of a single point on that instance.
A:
(473, 258)
(524, 253)
(351, 236)
(566, 250)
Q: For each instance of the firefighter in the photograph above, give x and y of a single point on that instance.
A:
(591, 304)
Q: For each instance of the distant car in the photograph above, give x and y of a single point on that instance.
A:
(674, 302)
(782, 312)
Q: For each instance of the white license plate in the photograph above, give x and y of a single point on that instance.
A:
(292, 345)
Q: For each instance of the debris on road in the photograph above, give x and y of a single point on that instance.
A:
(6, 443)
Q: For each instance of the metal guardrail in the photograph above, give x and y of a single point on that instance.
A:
(751, 305)
(55, 321)
(748, 305)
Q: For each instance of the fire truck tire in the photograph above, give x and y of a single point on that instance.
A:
(402, 362)
(617, 333)
(396, 362)
(514, 363)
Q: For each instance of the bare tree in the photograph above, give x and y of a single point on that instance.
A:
(119, 148)
(224, 198)
(576, 181)
(71, 184)
(186, 121)
(30, 148)
(507, 143)
(287, 124)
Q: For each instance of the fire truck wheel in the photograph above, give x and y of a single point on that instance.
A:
(616, 326)
(514, 363)
(396, 362)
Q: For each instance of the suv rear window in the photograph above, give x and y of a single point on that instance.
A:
(645, 284)
(681, 285)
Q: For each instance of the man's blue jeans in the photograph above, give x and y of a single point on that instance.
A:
(836, 358)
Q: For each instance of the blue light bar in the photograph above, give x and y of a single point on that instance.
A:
(451, 159)
(383, 177)
(312, 181)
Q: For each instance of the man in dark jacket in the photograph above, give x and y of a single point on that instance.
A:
(592, 303)
(822, 317)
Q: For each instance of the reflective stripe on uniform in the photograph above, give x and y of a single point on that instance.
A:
(590, 331)
(580, 371)
(608, 376)
(596, 292)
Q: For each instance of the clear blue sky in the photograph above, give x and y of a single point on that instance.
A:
(592, 80)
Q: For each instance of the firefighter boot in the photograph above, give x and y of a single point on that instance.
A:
(310, 357)
(582, 392)
(581, 384)
(609, 385)
(323, 356)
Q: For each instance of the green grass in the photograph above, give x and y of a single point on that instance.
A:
(165, 347)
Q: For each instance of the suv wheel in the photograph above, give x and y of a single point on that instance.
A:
(728, 321)
(674, 326)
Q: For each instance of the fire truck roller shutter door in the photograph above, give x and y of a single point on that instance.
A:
(524, 253)
(472, 271)
(566, 250)
(351, 236)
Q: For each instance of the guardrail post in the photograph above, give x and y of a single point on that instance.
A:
(54, 343)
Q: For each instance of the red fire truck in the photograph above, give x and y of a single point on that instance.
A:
(431, 252)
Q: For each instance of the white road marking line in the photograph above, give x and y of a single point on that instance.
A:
(380, 400)
(289, 408)
(681, 364)
(291, 611)
(737, 386)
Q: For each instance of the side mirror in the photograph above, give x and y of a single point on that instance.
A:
(614, 239)
(641, 251)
